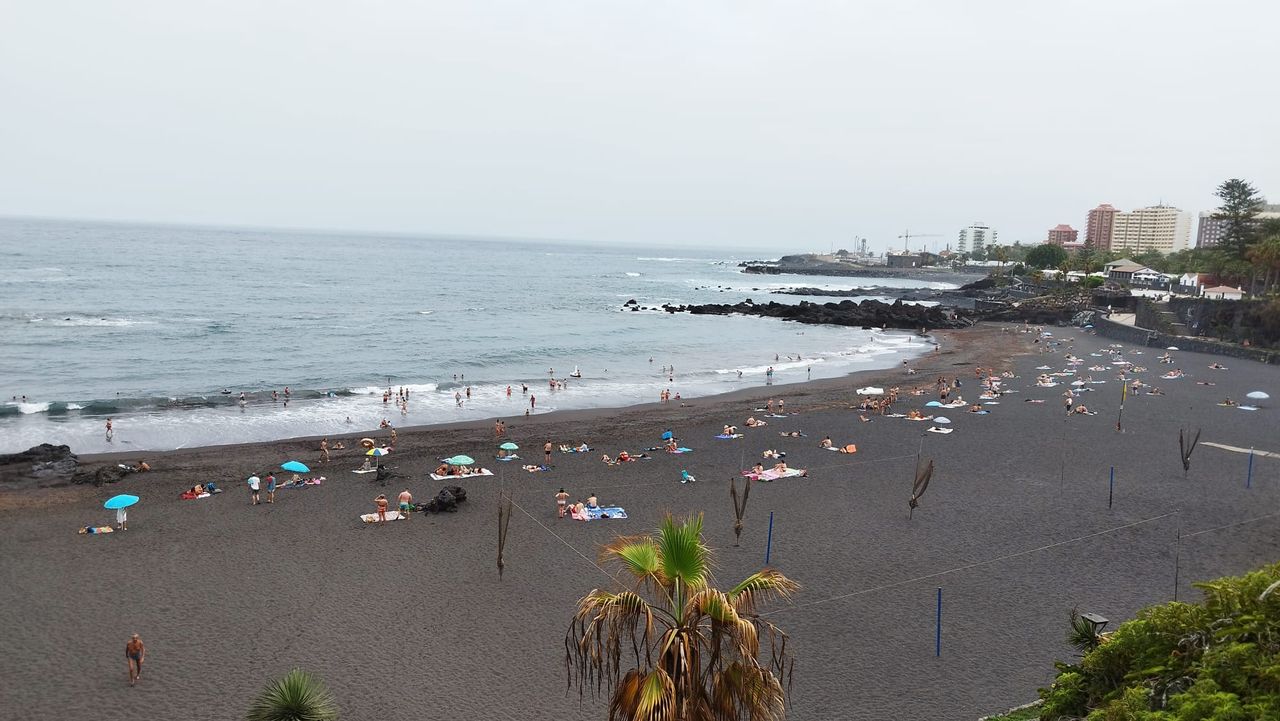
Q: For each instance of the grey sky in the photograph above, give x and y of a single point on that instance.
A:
(781, 125)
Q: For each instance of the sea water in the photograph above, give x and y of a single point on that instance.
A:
(161, 328)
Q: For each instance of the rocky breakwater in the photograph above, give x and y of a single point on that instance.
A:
(867, 314)
(42, 465)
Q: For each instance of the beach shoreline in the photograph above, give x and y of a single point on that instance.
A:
(1016, 528)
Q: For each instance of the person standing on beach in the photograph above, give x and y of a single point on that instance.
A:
(324, 450)
(562, 499)
(254, 485)
(405, 502)
(135, 653)
(122, 519)
(546, 451)
(271, 487)
(393, 435)
(110, 433)
(381, 502)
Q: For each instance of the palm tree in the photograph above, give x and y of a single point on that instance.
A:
(298, 696)
(1001, 254)
(696, 649)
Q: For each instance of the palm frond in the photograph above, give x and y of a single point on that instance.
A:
(683, 555)
(297, 696)
(644, 697)
(745, 691)
(759, 587)
(637, 554)
(594, 641)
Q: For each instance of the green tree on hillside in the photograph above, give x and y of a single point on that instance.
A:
(696, 649)
(1241, 204)
(1047, 255)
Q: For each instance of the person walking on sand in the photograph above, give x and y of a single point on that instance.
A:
(135, 653)
(562, 499)
(381, 502)
(271, 487)
(324, 450)
(405, 502)
(110, 432)
(254, 485)
(546, 451)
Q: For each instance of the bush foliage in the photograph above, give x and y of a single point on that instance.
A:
(1218, 660)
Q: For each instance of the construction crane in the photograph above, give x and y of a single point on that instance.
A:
(908, 235)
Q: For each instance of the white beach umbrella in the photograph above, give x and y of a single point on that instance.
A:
(941, 419)
(1257, 396)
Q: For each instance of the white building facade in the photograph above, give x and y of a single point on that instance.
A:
(975, 238)
(1158, 227)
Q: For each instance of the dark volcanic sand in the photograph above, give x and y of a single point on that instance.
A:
(410, 621)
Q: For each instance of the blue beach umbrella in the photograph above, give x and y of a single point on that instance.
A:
(121, 501)
(295, 467)
(666, 435)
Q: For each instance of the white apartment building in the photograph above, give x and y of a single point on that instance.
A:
(975, 238)
(1158, 227)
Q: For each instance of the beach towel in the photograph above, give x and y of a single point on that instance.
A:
(936, 429)
(611, 512)
(772, 475)
(728, 436)
(481, 472)
(779, 415)
(681, 450)
(991, 403)
(896, 415)
(575, 450)
(926, 418)
(95, 530)
(1247, 408)
(504, 459)
(530, 468)
(391, 516)
(361, 470)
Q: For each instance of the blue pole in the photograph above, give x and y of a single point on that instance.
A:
(937, 639)
(768, 549)
(1111, 491)
(1248, 483)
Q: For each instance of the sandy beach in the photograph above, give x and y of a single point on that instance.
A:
(409, 620)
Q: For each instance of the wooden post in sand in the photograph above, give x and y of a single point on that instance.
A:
(937, 637)
(1112, 489)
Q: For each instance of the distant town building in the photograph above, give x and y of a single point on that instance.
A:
(1210, 229)
(1099, 227)
(904, 260)
(1063, 234)
(976, 238)
(1158, 227)
(1224, 292)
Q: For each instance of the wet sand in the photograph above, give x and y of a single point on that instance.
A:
(410, 620)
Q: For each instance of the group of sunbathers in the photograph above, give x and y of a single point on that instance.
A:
(200, 489)
(445, 469)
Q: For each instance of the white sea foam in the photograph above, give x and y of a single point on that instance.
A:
(74, 407)
(28, 408)
(633, 275)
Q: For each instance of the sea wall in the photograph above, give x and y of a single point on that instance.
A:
(1144, 336)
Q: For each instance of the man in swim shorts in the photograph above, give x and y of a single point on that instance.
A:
(406, 502)
(135, 653)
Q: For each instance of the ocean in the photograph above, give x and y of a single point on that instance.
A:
(162, 328)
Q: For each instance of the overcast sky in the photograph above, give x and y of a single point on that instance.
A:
(737, 124)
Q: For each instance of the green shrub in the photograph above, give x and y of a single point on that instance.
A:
(1218, 660)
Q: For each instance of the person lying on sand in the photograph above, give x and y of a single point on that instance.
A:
(791, 434)
(771, 453)
(753, 423)
(1217, 366)
(606, 459)
(864, 419)
(849, 448)
(915, 415)
(1081, 410)
(1158, 392)
(441, 470)
(975, 407)
(623, 457)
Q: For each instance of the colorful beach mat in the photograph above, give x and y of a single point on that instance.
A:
(481, 472)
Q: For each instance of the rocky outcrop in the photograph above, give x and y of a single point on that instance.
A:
(867, 314)
(45, 464)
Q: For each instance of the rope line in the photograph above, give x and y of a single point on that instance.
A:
(968, 566)
(1232, 525)
(561, 539)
